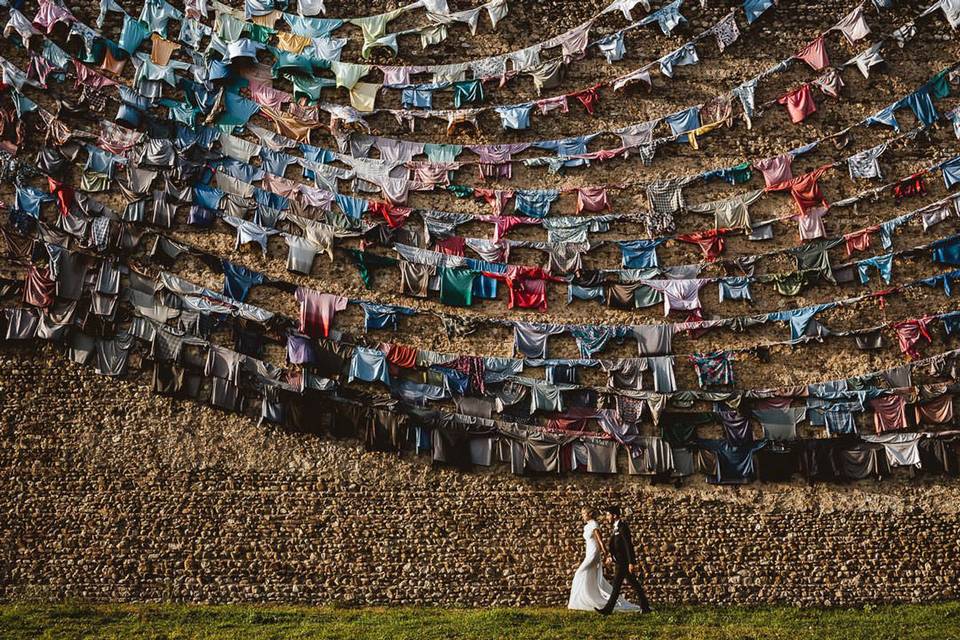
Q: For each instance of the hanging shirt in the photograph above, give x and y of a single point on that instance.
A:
(456, 286)
(369, 365)
(776, 169)
(249, 232)
(883, 265)
(865, 164)
(713, 369)
(815, 54)
(531, 340)
(734, 462)
(732, 212)
(317, 311)
(780, 424)
(910, 332)
(684, 121)
(535, 203)
(238, 280)
(735, 289)
(593, 199)
(678, 295)
(889, 413)
(516, 117)
(799, 103)
(804, 189)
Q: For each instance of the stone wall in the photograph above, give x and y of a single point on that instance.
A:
(108, 492)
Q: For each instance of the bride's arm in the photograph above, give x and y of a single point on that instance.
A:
(603, 550)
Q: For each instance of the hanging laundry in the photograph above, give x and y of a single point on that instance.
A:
(368, 365)
(589, 98)
(799, 103)
(780, 424)
(683, 122)
(734, 463)
(921, 103)
(531, 340)
(866, 163)
(756, 8)
(639, 254)
(889, 413)
(456, 286)
(516, 117)
(317, 311)
(853, 26)
(467, 92)
(535, 203)
(830, 83)
(858, 240)
(684, 56)
(239, 280)
(909, 187)
(801, 321)
(910, 332)
(711, 242)
(776, 169)
(592, 199)
(726, 31)
(735, 289)
(804, 189)
(815, 54)
(713, 369)
(613, 47)
(737, 174)
(666, 196)
(732, 212)
(667, 17)
(947, 251)
(810, 223)
(883, 265)
(678, 295)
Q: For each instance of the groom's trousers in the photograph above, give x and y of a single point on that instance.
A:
(623, 573)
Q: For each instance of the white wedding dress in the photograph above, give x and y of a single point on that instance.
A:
(590, 589)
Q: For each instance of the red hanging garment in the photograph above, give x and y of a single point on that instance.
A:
(915, 185)
(401, 355)
(64, 194)
(909, 333)
(593, 199)
(452, 246)
(589, 98)
(815, 55)
(858, 240)
(38, 288)
(799, 103)
(804, 189)
(395, 216)
(711, 241)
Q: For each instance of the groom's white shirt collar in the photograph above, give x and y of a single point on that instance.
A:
(616, 526)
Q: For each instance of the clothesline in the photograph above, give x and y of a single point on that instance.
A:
(845, 130)
(901, 219)
(788, 250)
(926, 282)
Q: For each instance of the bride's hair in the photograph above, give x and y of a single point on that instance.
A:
(590, 511)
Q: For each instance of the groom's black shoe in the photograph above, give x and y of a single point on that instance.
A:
(603, 612)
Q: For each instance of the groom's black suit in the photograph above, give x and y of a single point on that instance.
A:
(621, 548)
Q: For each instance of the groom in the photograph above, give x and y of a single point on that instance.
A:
(621, 550)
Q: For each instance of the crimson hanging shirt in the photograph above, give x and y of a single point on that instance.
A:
(815, 55)
(804, 189)
(799, 103)
(317, 311)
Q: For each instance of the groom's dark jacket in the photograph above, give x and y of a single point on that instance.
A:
(621, 545)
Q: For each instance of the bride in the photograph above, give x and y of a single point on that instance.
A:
(590, 590)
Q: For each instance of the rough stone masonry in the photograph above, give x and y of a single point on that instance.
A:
(110, 493)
